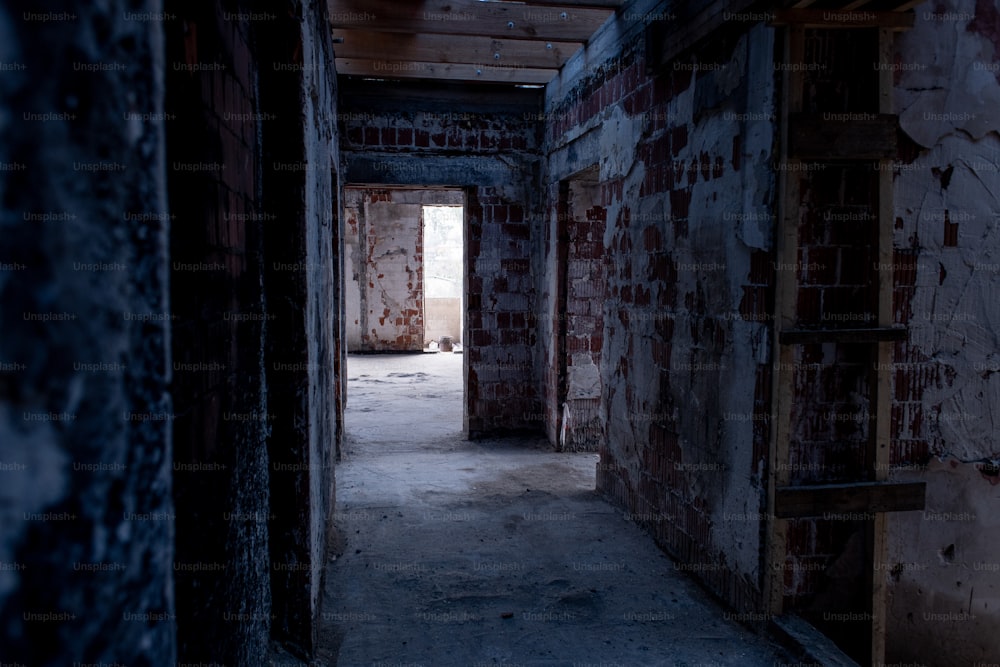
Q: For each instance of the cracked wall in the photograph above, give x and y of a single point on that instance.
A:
(943, 582)
(686, 182)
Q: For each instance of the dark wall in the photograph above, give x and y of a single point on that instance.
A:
(86, 515)
(252, 190)
(220, 453)
(302, 286)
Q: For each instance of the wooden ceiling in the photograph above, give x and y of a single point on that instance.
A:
(492, 41)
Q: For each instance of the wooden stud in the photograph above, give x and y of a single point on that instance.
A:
(845, 136)
(786, 253)
(880, 438)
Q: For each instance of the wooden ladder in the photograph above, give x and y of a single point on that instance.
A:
(805, 139)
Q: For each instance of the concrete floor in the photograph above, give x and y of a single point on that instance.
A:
(495, 552)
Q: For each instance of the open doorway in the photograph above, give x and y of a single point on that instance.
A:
(444, 277)
(582, 292)
(404, 255)
(405, 310)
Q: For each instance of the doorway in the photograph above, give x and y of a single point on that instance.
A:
(405, 277)
(405, 296)
(444, 276)
(582, 291)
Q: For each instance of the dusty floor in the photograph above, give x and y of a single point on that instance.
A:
(495, 552)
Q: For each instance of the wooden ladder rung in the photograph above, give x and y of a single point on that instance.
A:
(864, 498)
(842, 136)
(856, 335)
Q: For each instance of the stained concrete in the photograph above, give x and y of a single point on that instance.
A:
(495, 552)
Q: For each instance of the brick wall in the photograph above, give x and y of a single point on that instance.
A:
(387, 261)
(387, 297)
(220, 428)
(685, 179)
(252, 189)
(831, 416)
(579, 317)
(488, 146)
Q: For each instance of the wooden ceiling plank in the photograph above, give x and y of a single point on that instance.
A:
(601, 4)
(364, 45)
(386, 69)
(857, 4)
(500, 20)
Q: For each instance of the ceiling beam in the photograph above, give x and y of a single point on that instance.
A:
(857, 4)
(604, 4)
(364, 45)
(501, 20)
(390, 69)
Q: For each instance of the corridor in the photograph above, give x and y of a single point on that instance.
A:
(498, 552)
(722, 276)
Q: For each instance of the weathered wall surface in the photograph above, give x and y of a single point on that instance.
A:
(944, 585)
(686, 183)
(86, 515)
(218, 319)
(582, 289)
(386, 258)
(302, 286)
(253, 191)
(489, 146)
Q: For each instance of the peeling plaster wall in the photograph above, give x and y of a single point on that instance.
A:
(687, 183)
(945, 595)
(386, 260)
(390, 271)
(86, 514)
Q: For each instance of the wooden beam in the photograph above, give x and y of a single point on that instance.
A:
(857, 4)
(602, 4)
(365, 45)
(835, 18)
(848, 501)
(907, 6)
(838, 136)
(786, 300)
(501, 20)
(854, 335)
(880, 435)
(404, 69)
